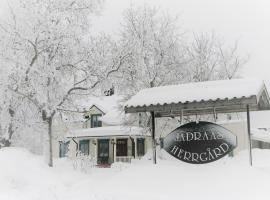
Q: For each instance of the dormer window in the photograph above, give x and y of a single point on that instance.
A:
(95, 120)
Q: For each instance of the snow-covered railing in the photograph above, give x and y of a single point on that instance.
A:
(126, 159)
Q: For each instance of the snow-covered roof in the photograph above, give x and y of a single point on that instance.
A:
(110, 106)
(199, 92)
(114, 117)
(104, 103)
(107, 131)
(260, 135)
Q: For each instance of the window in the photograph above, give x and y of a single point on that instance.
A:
(140, 147)
(63, 148)
(84, 147)
(95, 121)
(121, 147)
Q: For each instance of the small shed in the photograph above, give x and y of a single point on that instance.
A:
(200, 98)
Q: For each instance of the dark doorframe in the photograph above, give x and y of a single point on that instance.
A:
(103, 151)
(133, 147)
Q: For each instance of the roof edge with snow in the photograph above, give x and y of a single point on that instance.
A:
(108, 132)
(208, 97)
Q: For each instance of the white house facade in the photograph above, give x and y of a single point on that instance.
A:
(99, 134)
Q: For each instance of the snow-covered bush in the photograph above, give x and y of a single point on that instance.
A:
(83, 163)
(120, 166)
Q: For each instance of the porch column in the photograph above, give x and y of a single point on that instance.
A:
(114, 150)
(96, 149)
(135, 144)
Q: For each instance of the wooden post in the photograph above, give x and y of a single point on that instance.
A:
(135, 148)
(181, 117)
(215, 114)
(153, 137)
(114, 150)
(249, 137)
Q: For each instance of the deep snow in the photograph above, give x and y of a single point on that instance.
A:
(24, 176)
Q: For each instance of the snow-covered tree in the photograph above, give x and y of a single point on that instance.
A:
(163, 55)
(210, 59)
(53, 56)
(155, 43)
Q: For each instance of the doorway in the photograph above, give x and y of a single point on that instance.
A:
(103, 151)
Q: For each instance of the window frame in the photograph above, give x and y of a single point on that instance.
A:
(122, 147)
(140, 152)
(63, 145)
(99, 122)
(87, 143)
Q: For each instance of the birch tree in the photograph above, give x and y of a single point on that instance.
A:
(53, 56)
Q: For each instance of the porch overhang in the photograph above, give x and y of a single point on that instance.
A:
(237, 95)
(108, 132)
(107, 136)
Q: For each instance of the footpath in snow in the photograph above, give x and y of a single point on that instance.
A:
(24, 176)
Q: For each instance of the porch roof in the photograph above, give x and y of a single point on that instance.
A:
(107, 131)
(260, 135)
(223, 96)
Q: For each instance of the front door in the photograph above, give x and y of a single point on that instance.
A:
(103, 151)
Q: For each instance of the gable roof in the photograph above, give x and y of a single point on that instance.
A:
(96, 108)
(103, 103)
(201, 97)
(110, 106)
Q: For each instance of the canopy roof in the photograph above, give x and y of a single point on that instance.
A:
(107, 132)
(223, 96)
(260, 135)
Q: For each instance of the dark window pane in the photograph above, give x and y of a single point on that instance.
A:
(95, 121)
(63, 149)
(84, 147)
(140, 147)
(121, 147)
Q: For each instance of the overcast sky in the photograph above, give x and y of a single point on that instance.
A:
(245, 20)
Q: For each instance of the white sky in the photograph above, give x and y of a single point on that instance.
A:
(244, 20)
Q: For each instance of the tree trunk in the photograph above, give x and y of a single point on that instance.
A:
(6, 142)
(50, 142)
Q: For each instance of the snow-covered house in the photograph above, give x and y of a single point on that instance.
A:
(100, 134)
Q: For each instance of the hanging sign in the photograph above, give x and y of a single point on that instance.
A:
(199, 142)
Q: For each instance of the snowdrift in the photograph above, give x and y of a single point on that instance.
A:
(24, 176)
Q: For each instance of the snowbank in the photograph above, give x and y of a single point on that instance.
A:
(24, 176)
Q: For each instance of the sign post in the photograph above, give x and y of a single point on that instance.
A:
(249, 136)
(153, 137)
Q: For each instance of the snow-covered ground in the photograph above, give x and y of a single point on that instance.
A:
(24, 176)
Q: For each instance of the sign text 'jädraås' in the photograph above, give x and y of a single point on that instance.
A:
(200, 143)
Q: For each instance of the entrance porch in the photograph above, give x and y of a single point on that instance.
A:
(121, 146)
(119, 149)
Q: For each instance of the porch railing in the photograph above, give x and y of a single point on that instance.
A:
(125, 159)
